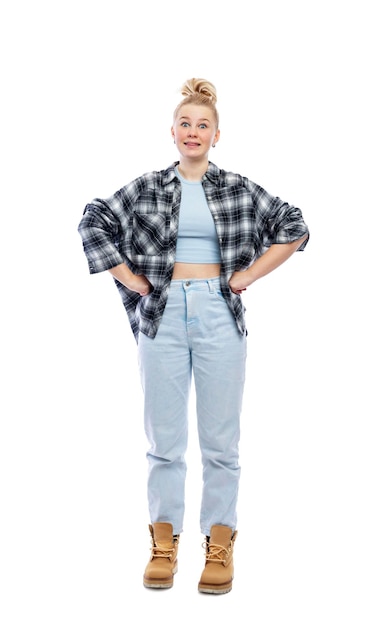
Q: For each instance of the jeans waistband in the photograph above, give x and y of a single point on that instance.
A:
(196, 283)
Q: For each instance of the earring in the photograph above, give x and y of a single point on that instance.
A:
(213, 145)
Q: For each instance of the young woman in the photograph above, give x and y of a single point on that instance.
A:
(182, 245)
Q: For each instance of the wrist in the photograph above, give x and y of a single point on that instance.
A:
(250, 276)
(122, 273)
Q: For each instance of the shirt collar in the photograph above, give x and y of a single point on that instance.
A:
(212, 173)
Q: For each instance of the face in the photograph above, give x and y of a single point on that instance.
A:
(194, 131)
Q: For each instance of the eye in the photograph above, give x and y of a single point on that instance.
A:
(203, 126)
(185, 124)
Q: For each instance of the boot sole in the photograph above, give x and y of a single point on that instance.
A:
(215, 592)
(214, 589)
(158, 585)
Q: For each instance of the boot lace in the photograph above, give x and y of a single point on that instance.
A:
(162, 552)
(215, 552)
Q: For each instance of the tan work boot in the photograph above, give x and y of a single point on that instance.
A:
(218, 573)
(163, 561)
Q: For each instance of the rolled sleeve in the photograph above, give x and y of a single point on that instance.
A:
(99, 233)
(278, 221)
(287, 224)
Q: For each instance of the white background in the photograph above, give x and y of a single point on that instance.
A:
(88, 93)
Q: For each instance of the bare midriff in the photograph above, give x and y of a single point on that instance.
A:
(183, 271)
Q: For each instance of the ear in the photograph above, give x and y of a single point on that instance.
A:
(172, 132)
(216, 137)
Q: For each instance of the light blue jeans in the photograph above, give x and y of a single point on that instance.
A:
(197, 337)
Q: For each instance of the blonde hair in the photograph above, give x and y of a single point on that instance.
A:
(199, 91)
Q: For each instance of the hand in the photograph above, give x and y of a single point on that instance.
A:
(239, 282)
(140, 284)
(134, 282)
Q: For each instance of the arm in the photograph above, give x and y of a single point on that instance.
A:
(125, 276)
(269, 261)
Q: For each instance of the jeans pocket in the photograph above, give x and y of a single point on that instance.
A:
(217, 293)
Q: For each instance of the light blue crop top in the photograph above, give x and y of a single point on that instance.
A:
(197, 238)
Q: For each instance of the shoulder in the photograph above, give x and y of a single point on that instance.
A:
(225, 178)
(153, 179)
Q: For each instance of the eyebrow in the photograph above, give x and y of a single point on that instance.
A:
(202, 119)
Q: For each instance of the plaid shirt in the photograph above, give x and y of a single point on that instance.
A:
(138, 226)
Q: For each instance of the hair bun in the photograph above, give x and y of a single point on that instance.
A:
(199, 86)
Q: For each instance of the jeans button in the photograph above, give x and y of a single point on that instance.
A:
(187, 283)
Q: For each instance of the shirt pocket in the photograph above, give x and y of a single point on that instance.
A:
(149, 234)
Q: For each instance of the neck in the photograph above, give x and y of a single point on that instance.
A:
(193, 171)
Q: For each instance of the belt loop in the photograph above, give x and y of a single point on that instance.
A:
(210, 285)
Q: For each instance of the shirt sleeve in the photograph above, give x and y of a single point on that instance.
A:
(103, 226)
(278, 222)
(99, 230)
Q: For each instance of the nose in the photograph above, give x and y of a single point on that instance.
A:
(192, 132)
